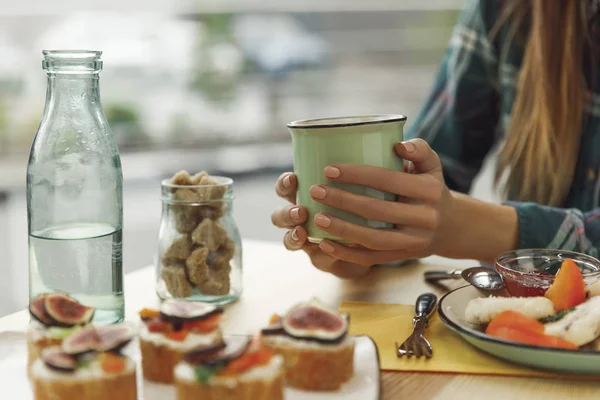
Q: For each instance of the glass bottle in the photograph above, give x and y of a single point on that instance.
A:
(199, 244)
(75, 191)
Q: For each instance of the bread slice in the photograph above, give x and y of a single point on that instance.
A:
(311, 365)
(159, 361)
(259, 383)
(160, 355)
(89, 383)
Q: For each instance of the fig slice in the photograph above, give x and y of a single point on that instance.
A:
(114, 337)
(196, 356)
(179, 311)
(58, 360)
(313, 321)
(82, 341)
(66, 311)
(233, 348)
(275, 328)
(37, 309)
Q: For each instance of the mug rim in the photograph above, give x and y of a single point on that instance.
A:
(340, 122)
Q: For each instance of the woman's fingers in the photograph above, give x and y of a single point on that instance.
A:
(423, 187)
(418, 151)
(361, 256)
(370, 208)
(289, 216)
(295, 239)
(286, 187)
(374, 239)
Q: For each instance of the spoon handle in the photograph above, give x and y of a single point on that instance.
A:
(440, 275)
(425, 305)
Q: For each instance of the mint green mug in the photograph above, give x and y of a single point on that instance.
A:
(363, 140)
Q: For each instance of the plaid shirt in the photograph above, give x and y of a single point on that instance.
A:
(468, 112)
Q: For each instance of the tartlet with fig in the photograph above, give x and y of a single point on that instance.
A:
(316, 346)
(88, 365)
(54, 316)
(175, 329)
(239, 368)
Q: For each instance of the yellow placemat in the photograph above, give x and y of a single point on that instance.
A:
(386, 323)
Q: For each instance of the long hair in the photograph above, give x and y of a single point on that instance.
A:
(542, 141)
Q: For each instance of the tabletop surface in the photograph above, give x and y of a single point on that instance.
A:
(275, 279)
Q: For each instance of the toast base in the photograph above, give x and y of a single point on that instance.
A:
(114, 387)
(244, 389)
(316, 368)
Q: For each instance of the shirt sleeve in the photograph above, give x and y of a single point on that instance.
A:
(558, 228)
(460, 116)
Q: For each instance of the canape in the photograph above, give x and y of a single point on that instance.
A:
(89, 365)
(236, 369)
(316, 346)
(177, 328)
(54, 317)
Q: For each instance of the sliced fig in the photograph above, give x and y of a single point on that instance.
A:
(58, 360)
(37, 309)
(196, 356)
(82, 341)
(234, 347)
(178, 311)
(114, 337)
(66, 311)
(276, 328)
(313, 321)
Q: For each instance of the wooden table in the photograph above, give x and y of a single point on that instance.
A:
(275, 279)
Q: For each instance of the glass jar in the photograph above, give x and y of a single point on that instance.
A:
(199, 245)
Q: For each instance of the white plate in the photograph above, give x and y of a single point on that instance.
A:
(451, 310)
(365, 385)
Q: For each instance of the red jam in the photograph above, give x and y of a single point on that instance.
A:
(518, 288)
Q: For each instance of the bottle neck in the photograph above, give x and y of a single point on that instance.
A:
(72, 94)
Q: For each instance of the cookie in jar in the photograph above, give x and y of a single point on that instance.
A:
(199, 246)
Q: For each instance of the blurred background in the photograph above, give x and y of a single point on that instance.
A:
(208, 85)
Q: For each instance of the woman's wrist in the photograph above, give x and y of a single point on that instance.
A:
(474, 229)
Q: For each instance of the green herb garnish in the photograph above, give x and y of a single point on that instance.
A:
(82, 363)
(204, 372)
(56, 332)
(558, 316)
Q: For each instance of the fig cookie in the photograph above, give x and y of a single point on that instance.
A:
(200, 257)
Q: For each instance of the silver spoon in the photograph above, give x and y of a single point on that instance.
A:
(480, 277)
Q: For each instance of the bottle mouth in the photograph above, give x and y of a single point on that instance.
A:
(72, 61)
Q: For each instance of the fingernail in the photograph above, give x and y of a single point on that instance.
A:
(287, 182)
(318, 192)
(409, 146)
(326, 247)
(332, 172)
(322, 220)
(295, 213)
(295, 235)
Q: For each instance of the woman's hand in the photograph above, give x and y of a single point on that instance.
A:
(419, 216)
(291, 217)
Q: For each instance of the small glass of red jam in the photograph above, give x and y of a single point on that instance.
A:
(530, 272)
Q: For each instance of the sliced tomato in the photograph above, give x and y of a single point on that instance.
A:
(531, 338)
(568, 288)
(514, 319)
(247, 361)
(178, 336)
(112, 363)
(158, 325)
(204, 326)
(149, 313)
